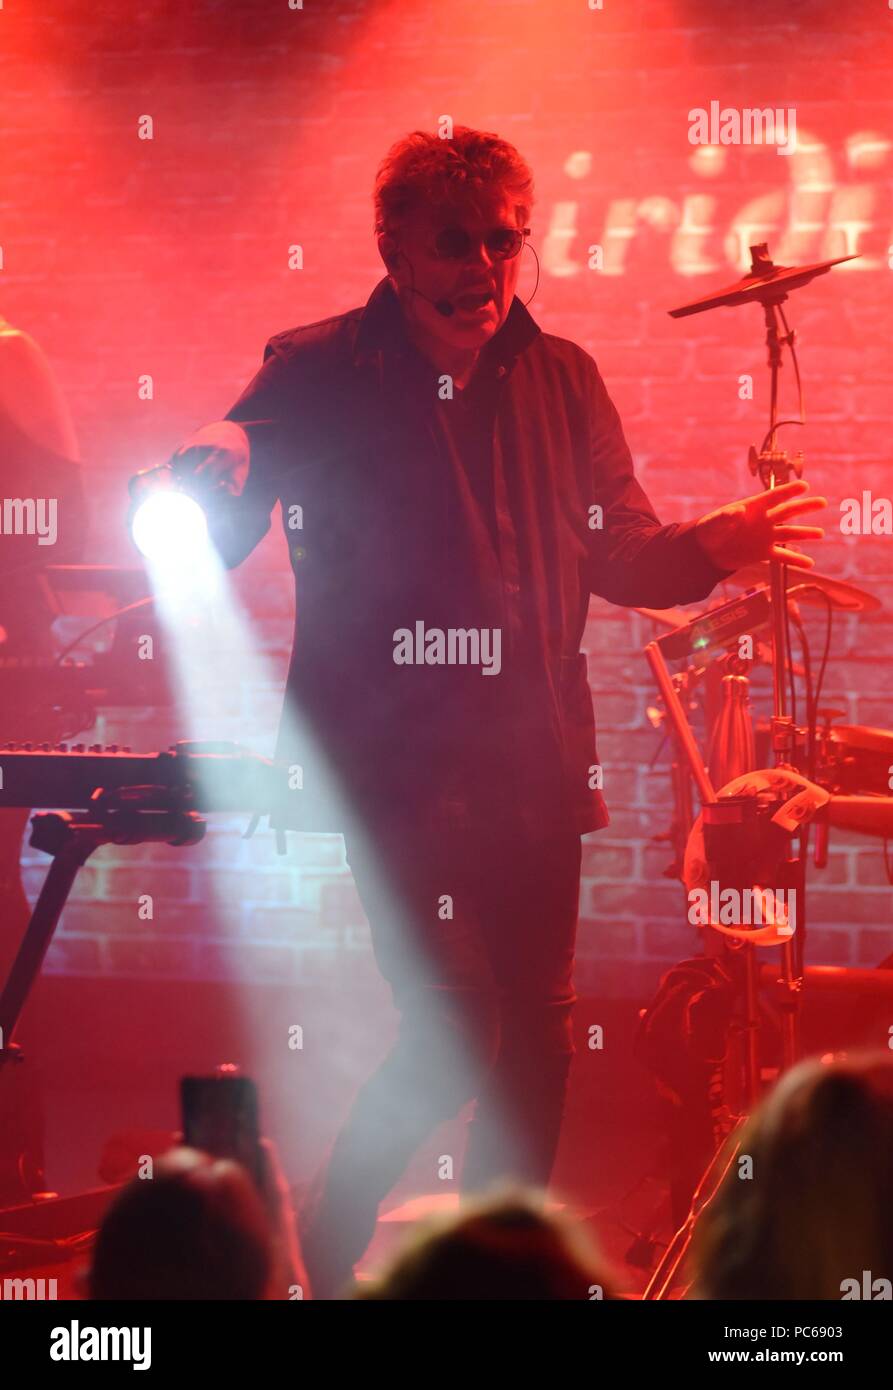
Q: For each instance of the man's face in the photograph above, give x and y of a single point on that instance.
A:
(478, 272)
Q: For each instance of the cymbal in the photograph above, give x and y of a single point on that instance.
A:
(864, 738)
(767, 283)
(842, 595)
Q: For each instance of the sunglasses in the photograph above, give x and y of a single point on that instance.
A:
(502, 243)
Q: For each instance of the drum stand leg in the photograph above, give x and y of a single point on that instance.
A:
(665, 1275)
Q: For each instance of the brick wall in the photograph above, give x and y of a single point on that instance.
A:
(169, 257)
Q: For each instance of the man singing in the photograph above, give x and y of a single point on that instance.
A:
(454, 484)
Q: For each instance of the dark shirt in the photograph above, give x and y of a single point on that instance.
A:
(470, 513)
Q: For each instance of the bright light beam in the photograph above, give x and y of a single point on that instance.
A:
(209, 634)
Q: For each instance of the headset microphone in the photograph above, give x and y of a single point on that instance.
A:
(446, 307)
(443, 306)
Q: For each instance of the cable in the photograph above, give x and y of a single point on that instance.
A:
(810, 698)
(139, 603)
(660, 748)
(789, 655)
(777, 426)
(821, 677)
(796, 365)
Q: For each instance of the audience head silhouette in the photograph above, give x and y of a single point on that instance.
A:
(813, 1206)
(197, 1229)
(506, 1246)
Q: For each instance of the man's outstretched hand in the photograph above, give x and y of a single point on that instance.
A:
(761, 528)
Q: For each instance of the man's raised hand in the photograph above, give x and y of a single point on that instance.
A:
(761, 527)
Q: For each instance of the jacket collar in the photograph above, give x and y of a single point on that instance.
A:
(382, 327)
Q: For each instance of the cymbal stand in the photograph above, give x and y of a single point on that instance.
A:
(775, 467)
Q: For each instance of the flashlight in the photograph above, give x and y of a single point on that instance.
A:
(166, 518)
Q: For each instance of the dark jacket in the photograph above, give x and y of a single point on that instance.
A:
(506, 507)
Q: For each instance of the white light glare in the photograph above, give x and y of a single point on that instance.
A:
(169, 526)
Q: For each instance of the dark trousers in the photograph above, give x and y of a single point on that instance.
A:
(475, 933)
